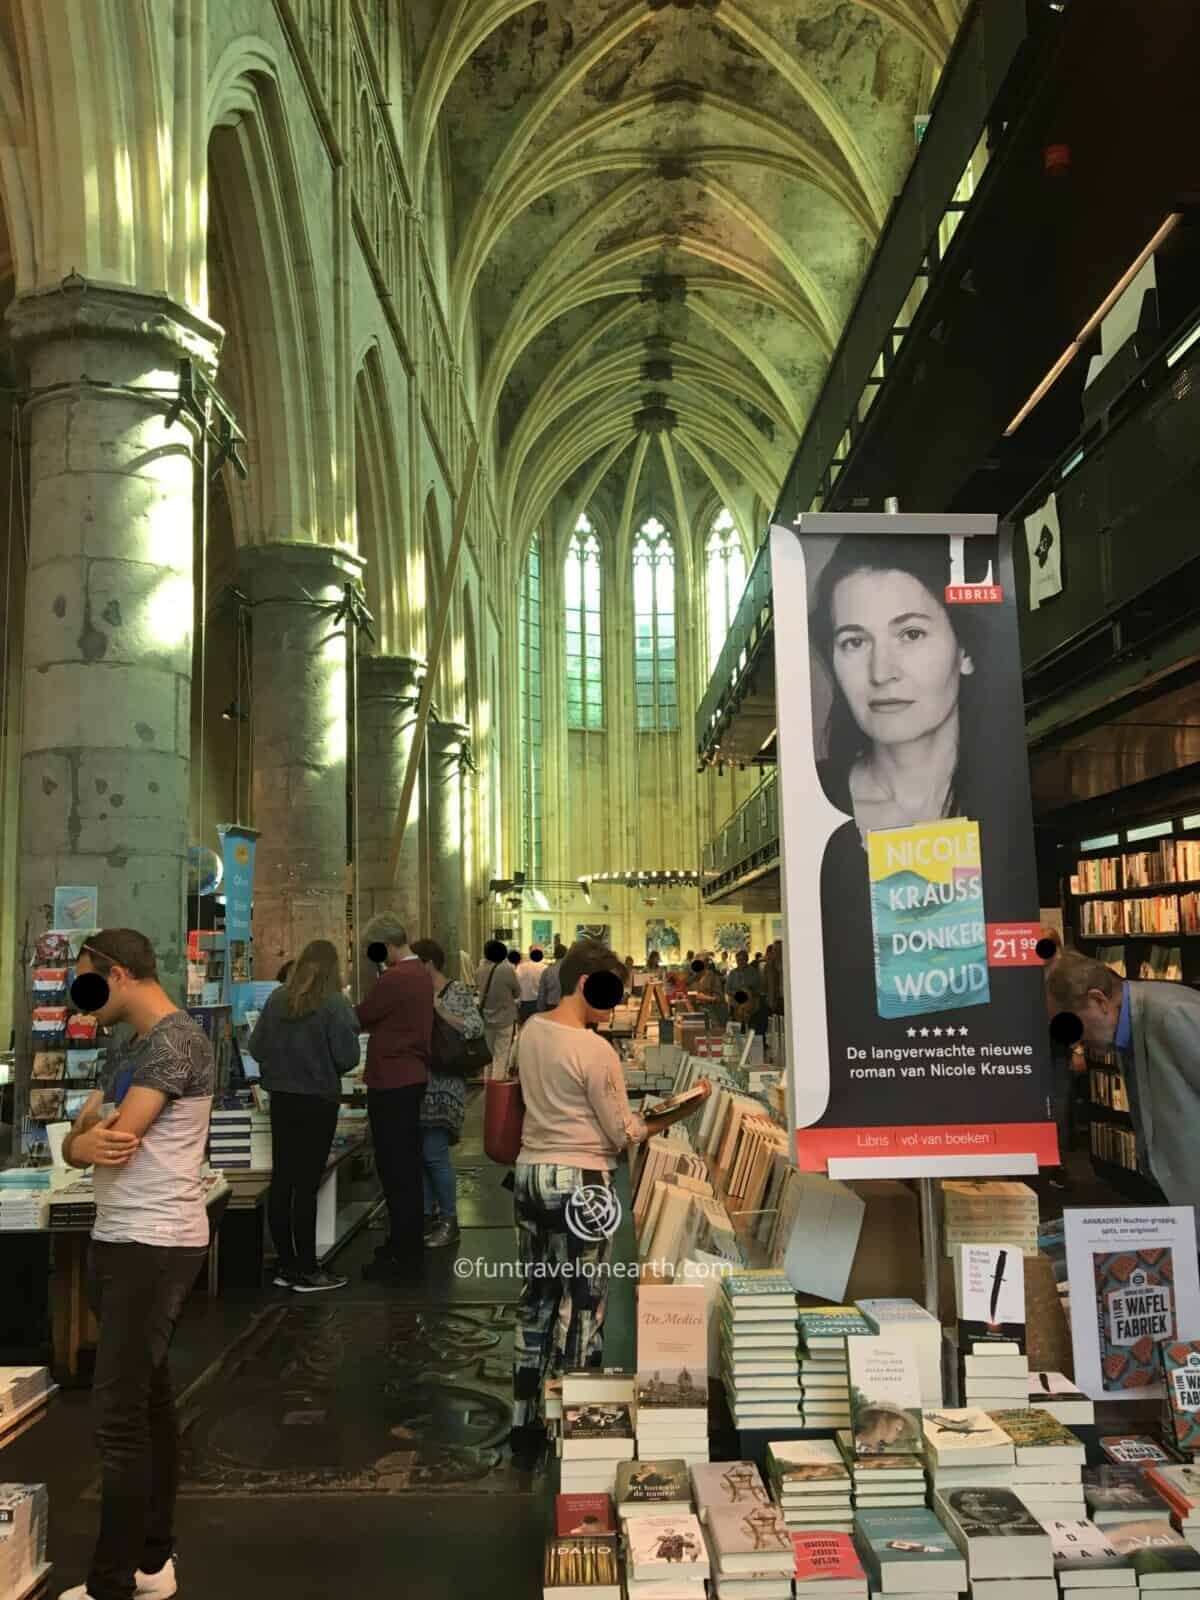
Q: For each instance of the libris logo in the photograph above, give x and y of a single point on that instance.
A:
(961, 593)
(593, 1212)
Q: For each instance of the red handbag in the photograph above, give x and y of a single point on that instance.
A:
(503, 1120)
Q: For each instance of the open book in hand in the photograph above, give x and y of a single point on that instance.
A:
(687, 1101)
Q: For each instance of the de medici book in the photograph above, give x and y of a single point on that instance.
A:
(928, 918)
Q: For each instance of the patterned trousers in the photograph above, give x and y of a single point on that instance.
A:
(564, 1285)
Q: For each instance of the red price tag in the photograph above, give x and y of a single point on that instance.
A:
(1014, 944)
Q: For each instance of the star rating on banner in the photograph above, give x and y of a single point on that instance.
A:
(937, 1032)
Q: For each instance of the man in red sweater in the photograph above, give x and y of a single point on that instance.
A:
(397, 1014)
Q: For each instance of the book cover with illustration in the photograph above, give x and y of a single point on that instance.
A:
(588, 1516)
(598, 1420)
(1040, 1438)
(1154, 1550)
(823, 1557)
(1135, 1310)
(913, 1539)
(1181, 1396)
(1133, 1449)
(793, 1464)
(661, 1548)
(885, 1396)
(672, 1347)
(928, 918)
(990, 1512)
(653, 1483)
(750, 1539)
(727, 1483)
(1120, 1494)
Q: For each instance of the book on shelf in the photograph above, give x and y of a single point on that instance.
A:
(827, 1563)
(598, 1431)
(663, 1548)
(909, 1552)
(1161, 1557)
(1133, 1450)
(578, 1516)
(575, 1567)
(1163, 964)
(1115, 1494)
(1086, 1558)
(1114, 1144)
(996, 1533)
(750, 1539)
(1112, 955)
(1055, 1393)
(1108, 1088)
(653, 1488)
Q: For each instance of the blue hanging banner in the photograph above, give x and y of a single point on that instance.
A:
(237, 851)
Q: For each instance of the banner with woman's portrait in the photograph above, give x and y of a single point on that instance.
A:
(914, 990)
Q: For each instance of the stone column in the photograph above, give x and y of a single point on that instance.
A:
(388, 687)
(298, 746)
(105, 767)
(446, 747)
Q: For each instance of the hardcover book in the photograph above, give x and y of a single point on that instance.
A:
(1181, 1399)
(1162, 1558)
(1085, 1558)
(909, 1552)
(652, 1484)
(885, 1396)
(750, 1539)
(672, 1347)
(662, 1548)
(822, 1557)
(1135, 1309)
(928, 918)
(583, 1516)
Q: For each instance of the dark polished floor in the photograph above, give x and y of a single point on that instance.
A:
(345, 1442)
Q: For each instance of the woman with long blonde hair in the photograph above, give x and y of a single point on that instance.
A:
(305, 1039)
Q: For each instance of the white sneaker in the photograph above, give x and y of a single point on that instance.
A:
(160, 1585)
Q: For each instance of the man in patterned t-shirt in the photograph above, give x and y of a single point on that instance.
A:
(146, 1137)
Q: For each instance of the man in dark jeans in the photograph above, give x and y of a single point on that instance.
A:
(146, 1137)
(397, 1015)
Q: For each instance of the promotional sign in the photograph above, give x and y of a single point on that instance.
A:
(915, 1005)
(237, 852)
(1135, 1289)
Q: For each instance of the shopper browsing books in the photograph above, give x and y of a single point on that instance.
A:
(1155, 1027)
(499, 997)
(445, 1102)
(577, 1123)
(549, 988)
(146, 1138)
(529, 977)
(305, 1039)
(397, 1014)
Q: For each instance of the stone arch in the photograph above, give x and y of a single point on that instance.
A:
(271, 303)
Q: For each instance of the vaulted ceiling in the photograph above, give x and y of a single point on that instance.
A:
(661, 213)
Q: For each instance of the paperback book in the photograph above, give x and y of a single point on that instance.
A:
(663, 1548)
(800, 1467)
(727, 1483)
(996, 1532)
(598, 1431)
(576, 1567)
(1162, 1558)
(651, 1488)
(885, 1396)
(1085, 1558)
(1055, 1393)
(909, 1552)
(1039, 1439)
(1135, 1310)
(1133, 1450)
(990, 1293)
(672, 1353)
(1181, 1398)
(750, 1539)
(965, 1437)
(578, 1516)
(825, 1559)
(1120, 1494)
(825, 1329)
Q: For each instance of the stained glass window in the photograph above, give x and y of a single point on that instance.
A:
(530, 629)
(725, 572)
(655, 677)
(583, 593)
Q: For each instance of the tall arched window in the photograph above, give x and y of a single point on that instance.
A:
(585, 655)
(654, 629)
(530, 631)
(725, 573)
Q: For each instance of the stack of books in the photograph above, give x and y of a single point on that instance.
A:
(909, 1554)
(810, 1483)
(1179, 1487)
(1048, 1474)
(24, 1513)
(597, 1430)
(883, 1482)
(758, 1350)
(666, 1558)
(22, 1210)
(1120, 1494)
(1008, 1552)
(1087, 1564)
(828, 1564)
(22, 1389)
(240, 1140)
(1164, 1561)
(72, 1208)
(995, 1376)
(905, 1319)
(672, 1380)
(824, 1369)
(750, 1552)
(979, 1212)
(966, 1450)
(1053, 1392)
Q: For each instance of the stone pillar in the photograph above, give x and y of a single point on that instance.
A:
(446, 747)
(105, 766)
(388, 687)
(298, 746)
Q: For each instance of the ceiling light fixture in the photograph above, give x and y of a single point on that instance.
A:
(1093, 322)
